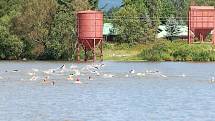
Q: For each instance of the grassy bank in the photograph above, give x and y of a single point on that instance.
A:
(122, 52)
(160, 51)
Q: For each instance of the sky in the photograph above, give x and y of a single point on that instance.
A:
(111, 3)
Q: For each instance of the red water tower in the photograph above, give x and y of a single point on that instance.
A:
(90, 33)
(201, 22)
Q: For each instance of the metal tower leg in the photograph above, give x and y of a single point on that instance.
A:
(101, 50)
(189, 30)
(78, 52)
(85, 54)
(213, 37)
(201, 38)
(94, 50)
(189, 37)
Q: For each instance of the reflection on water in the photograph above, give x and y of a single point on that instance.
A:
(155, 92)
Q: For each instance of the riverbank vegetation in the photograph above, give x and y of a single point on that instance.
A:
(162, 50)
(178, 51)
(46, 30)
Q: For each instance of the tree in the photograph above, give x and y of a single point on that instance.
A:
(153, 9)
(128, 25)
(138, 20)
(94, 4)
(11, 46)
(172, 28)
(167, 10)
(33, 25)
(62, 38)
(7, 6)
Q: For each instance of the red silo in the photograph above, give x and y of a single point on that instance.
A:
(90, 32)
(201, 22)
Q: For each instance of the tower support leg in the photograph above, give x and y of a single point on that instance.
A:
(213, 37)
(189, 28)
(78, 52)
(201, 38)
(85, 54)
(101, 50)
(189, 37)
(94, 50)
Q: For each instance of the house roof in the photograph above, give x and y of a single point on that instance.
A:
(108, 29)
(163, 33)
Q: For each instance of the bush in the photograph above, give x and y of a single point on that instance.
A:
(10, 46)
(178, 51)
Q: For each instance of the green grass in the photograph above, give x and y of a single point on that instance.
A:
(122, 52)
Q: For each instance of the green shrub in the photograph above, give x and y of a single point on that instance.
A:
(178, 51)
(11, 46)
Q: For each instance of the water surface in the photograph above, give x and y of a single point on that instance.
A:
(121, 98)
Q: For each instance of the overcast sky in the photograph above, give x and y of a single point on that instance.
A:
(111, 3)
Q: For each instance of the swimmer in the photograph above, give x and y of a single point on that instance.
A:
(70, 77)
(15, 70)
(90, 78)
(53, 83)
(77, 81)
(96, 72)
(45, 80)
(132, 71)
(62, 67)
(34, 77)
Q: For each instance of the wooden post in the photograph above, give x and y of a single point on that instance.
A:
(85, 54)
(213, 34)
(78, 51)
(201, 38)
(213, 37)
(94, 50)
(101, 50)
(189, 27)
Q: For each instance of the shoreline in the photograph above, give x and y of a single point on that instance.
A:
(108, 60)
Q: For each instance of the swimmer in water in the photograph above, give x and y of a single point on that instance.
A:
(132, 71)
(45, 80)
(62, 67)
(34, 77)
(78, 81)
(53, 83)
(90, 78)
(70, 77)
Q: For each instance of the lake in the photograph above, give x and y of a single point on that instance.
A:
(165, 91)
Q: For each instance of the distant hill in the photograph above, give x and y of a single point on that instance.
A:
(111, 3)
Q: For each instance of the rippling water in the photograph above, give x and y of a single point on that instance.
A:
(133, 98)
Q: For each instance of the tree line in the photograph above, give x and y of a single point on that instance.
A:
(46, 29)
(40, 29)
(137, 21)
